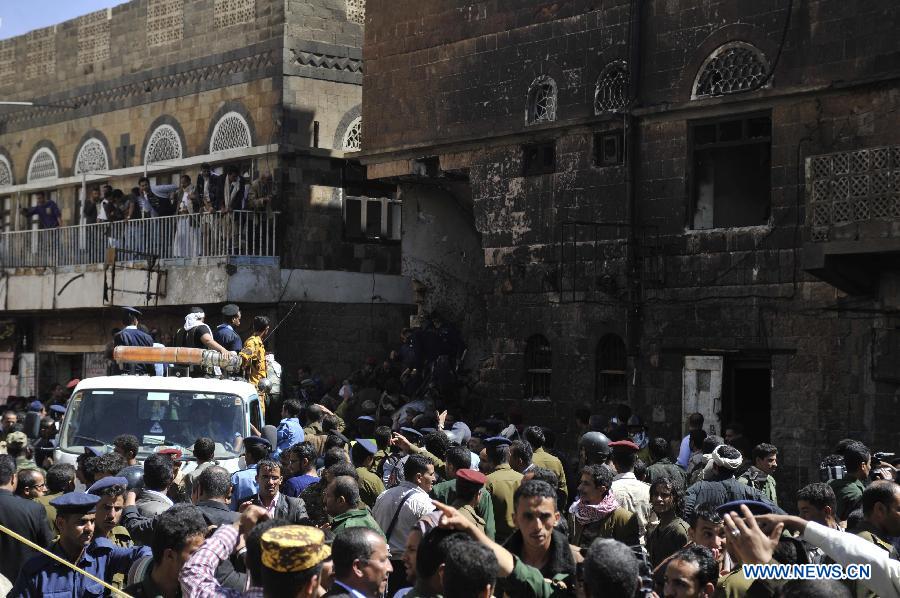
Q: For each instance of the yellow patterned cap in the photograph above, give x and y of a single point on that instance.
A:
(293, 548)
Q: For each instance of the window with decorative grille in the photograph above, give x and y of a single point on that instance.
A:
(611, 92)
(731, 171)
(6, 177)
(42, 166)
(230, 132)
(91, 157)
(538, 368)
(164, 144)
(611, 384)
(353, 136)
(732, 68)
(541, 105)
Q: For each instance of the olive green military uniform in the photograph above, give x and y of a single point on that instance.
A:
(526, 580)
(666, 539)
(355, 518)
(848, 492)
(619, 525)
(502, 484)
(380, 456)
(542, 458)
(445, 492)
(51, 510)
(733, 585)
(122, 539)
(469, 513)
(370, 486)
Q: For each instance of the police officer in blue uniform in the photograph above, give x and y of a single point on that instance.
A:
(132, 336)
(225, 333)
(243, 482)
(42, 576)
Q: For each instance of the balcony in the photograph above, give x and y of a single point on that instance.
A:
(172, 260)
(185, 237)
(853, 217)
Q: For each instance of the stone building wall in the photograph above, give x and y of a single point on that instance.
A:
(737, 292)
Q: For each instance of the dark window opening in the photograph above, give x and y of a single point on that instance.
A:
(539, 158)
(371, 218)
(731, 172)
(748, 399)
(609, 148)
(612, 386)
(538, 368)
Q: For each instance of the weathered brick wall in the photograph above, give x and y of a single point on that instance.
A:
(739, 292)
(335, 339)
(136, 36)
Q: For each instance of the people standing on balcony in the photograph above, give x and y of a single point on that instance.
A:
(262, 193)
(46, 210)
(144, 204)
(210, 187)
(235, 194)
(187, 230)
(91, 205)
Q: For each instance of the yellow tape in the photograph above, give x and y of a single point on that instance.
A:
(44, 551)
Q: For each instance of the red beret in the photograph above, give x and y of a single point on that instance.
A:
(624, 445)
(174, 452)
(471, 476)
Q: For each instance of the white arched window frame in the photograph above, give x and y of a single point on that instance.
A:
(231, 132)
(6, 174)
(43, 165)
(541, 104)
(92, 157)
(164, 144)
(611, 90)
(352, 141)
(734, 67)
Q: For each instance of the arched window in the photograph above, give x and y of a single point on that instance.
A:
(353, 136)
(164, 144)
(612, 384)
(611, 92)
(6, 177)
(732, 68)
(91, 157)
(541, 105)
(538, 368)
(231, 132)
(42, 166)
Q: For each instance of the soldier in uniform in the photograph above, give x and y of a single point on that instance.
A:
(75, 515)
(469, 486)
(501, 484)
(370, 485)
(341, 500)
(597, 513)
(541, 458)
(225, 333)
(132, 336)
(458, 459)
(243, 482)
(111, 491)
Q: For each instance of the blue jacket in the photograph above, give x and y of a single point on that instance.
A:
(228, 338)
(42, 576)
(134, 337)
(289, 433)
(243, 486)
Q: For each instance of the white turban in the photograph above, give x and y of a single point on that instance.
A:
(192, 320)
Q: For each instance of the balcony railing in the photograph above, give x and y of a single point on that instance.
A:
(187, 236)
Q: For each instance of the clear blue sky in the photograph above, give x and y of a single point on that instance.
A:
(21, 16)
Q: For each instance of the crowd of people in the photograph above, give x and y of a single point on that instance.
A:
(384, 484)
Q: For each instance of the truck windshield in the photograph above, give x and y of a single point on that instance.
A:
(156, 418)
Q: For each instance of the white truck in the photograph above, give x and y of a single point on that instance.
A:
(160, 412)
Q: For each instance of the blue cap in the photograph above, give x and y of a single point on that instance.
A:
(58, 409)
(411, 433)
(498, 441)
(107, 482)
(756, 507)
(251, 440)
(96, 451)
(35, 406)
(369, 446)
(428, 430)
(72, 503)
(365, 418)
